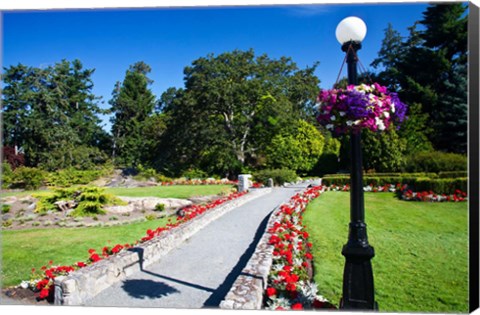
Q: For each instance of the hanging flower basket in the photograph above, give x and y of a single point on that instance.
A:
(360, 107)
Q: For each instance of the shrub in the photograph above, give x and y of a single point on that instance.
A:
(194, 174)
(453, 174)
(70, 176)
(5, 208)
(279, 176)
(29, 178)
(159, 207)
(436, 162)
(91, 200)
(7, 175)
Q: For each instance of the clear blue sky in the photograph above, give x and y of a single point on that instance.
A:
(168, 39)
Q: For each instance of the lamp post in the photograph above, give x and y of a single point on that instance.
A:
(358, 275)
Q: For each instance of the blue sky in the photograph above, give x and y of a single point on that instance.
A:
(168, 39)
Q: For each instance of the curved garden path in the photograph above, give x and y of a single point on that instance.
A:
(200, 272)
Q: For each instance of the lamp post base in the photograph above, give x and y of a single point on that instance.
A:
(358, 291)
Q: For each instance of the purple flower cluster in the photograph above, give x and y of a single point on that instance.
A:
(361, 106)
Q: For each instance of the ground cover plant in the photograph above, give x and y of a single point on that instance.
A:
(421, 262)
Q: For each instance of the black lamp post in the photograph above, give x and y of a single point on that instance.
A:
(358, 290)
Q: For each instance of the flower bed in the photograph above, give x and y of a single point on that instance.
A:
(406, 194)
(289, 283)
(42, 280)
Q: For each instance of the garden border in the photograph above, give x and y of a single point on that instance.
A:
(82, 285)
(247, 291)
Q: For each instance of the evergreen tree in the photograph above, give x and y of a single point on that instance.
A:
(51, 115)
(132, 104)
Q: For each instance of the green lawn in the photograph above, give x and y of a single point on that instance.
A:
(27, 249)
(421, 250)
(174, 191)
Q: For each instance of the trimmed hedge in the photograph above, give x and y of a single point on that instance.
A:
(453, 174)
(414, 183)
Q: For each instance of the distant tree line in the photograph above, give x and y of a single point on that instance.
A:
(239, 112)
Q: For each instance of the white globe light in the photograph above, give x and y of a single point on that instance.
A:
(351, 29)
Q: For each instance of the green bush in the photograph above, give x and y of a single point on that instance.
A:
(279, 176)
(91, 200)
(194, 174)
(70, 176)
(436, 162)
(7, 175)
(159, 207)
(5, 208)
(30, 178)
(453, 174)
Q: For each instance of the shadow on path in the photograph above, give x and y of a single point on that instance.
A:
(141, 289)
(219, 294)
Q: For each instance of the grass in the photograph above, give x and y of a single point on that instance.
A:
(175, 191)
(421, 251)
(27, 249)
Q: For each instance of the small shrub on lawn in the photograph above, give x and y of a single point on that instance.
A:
(194, 174)
(71, 176)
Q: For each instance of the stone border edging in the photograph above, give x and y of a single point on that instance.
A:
(80, 286)
(247, 290)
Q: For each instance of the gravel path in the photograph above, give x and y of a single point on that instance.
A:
(200, 272)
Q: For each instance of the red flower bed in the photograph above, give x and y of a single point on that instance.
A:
(289, 283)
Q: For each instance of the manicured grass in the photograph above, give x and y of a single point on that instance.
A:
(175, 191)
(421, 250)
(27, 249)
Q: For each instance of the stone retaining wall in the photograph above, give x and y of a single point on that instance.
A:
(247, 291)
(80, 286)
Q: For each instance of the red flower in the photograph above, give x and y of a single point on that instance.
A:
(271, 291)
(81, 264)
(308, 256)
(297, 306)
(44, 293)
(291, 287)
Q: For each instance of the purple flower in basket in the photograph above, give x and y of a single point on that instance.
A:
(357, 107)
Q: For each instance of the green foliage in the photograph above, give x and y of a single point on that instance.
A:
(329, 160)
(91, 200)
(70, 176)
(132, 104)
(298, 151)
(7, 175)
(150, 217)
(195, 174)
(436, 161)
(29, 178)
(51, 113)
(383, 152)
(453, 174)
(232, 105)
(159, 207)
(5, 208)
(437, 94)
(279, 176)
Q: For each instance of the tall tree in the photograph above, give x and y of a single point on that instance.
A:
(51, 114)
(229, 96)
(132, 104)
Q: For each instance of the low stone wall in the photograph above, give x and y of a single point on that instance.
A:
(80, 286)
(247, 291)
